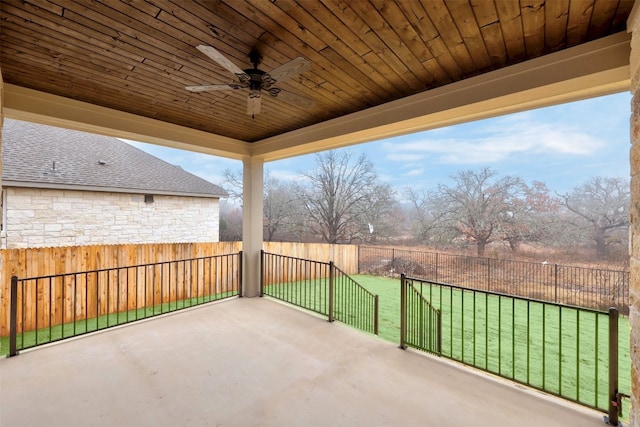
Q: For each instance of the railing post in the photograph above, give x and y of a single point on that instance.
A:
(614, 402)
(375, 315)
(240, 276)
(13, 325)
(262, 272)
(439, 317)
(437, 266)
(332, 273)
(403, 312)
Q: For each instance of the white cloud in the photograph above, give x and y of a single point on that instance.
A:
(285, 175)
(415, 172)
(498, 142)
(396, 156)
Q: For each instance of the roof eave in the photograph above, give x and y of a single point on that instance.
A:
(55, 186)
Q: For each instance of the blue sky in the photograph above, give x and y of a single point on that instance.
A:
(562, 146)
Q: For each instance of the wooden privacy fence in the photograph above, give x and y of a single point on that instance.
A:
(343, 256)
(64, 261)
(39, 262)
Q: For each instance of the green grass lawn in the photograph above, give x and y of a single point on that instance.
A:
(353, 304)
(79, 327)
(504, 335)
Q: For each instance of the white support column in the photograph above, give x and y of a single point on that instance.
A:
(2, 232)
(252, 218)
(633, 26)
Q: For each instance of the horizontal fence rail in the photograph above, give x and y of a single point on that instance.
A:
(51, 308)
(559, 349)
(320, 287)
(576, 286)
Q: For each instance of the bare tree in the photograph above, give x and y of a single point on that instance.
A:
(344, 200)
(424, 223)
(601, 209)
(532, 216)
(233, 184)
(281, 199)
(478, 206)
(282, 208)
(230, 222)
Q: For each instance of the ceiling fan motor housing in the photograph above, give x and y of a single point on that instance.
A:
(255, 82)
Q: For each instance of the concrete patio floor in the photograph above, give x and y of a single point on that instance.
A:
(256, 362)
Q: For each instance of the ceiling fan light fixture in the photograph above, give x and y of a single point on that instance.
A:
(255, 79)
(254, 105)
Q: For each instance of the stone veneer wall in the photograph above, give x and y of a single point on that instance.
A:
(43, 217)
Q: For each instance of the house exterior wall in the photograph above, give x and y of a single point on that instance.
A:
(44, 217)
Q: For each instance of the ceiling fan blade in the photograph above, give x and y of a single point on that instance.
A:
(293, 99)
(286, 70)
(206, 88)
(223, 61)
(254, 104)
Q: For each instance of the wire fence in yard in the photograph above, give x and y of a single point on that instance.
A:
(577, 286)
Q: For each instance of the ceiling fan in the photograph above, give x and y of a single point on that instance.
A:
(257, 80)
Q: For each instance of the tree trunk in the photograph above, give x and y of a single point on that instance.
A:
(601, 244)
(481, 245)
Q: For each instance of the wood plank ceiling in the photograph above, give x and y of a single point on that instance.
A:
(137, 56)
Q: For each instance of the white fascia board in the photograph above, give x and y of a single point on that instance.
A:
(69, 187)
(25, 104)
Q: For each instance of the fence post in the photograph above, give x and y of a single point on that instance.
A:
(488, 274)
(393, 258)
(358, 259)
(13, 325)
(403, 312)
(614, 402)
(240, 275)
(332, 272)
(555, 281)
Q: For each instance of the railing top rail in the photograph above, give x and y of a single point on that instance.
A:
(296, 258)
(413, 251)
(426, 301)
(101, 270)
(433, 282)
(367, 291)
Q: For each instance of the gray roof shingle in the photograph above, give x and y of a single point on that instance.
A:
(86, 160)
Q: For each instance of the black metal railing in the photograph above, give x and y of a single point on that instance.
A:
(566, 351)
(570, 285)
(55, 307)
(353, 304)
(420, 322)
(320, 287)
